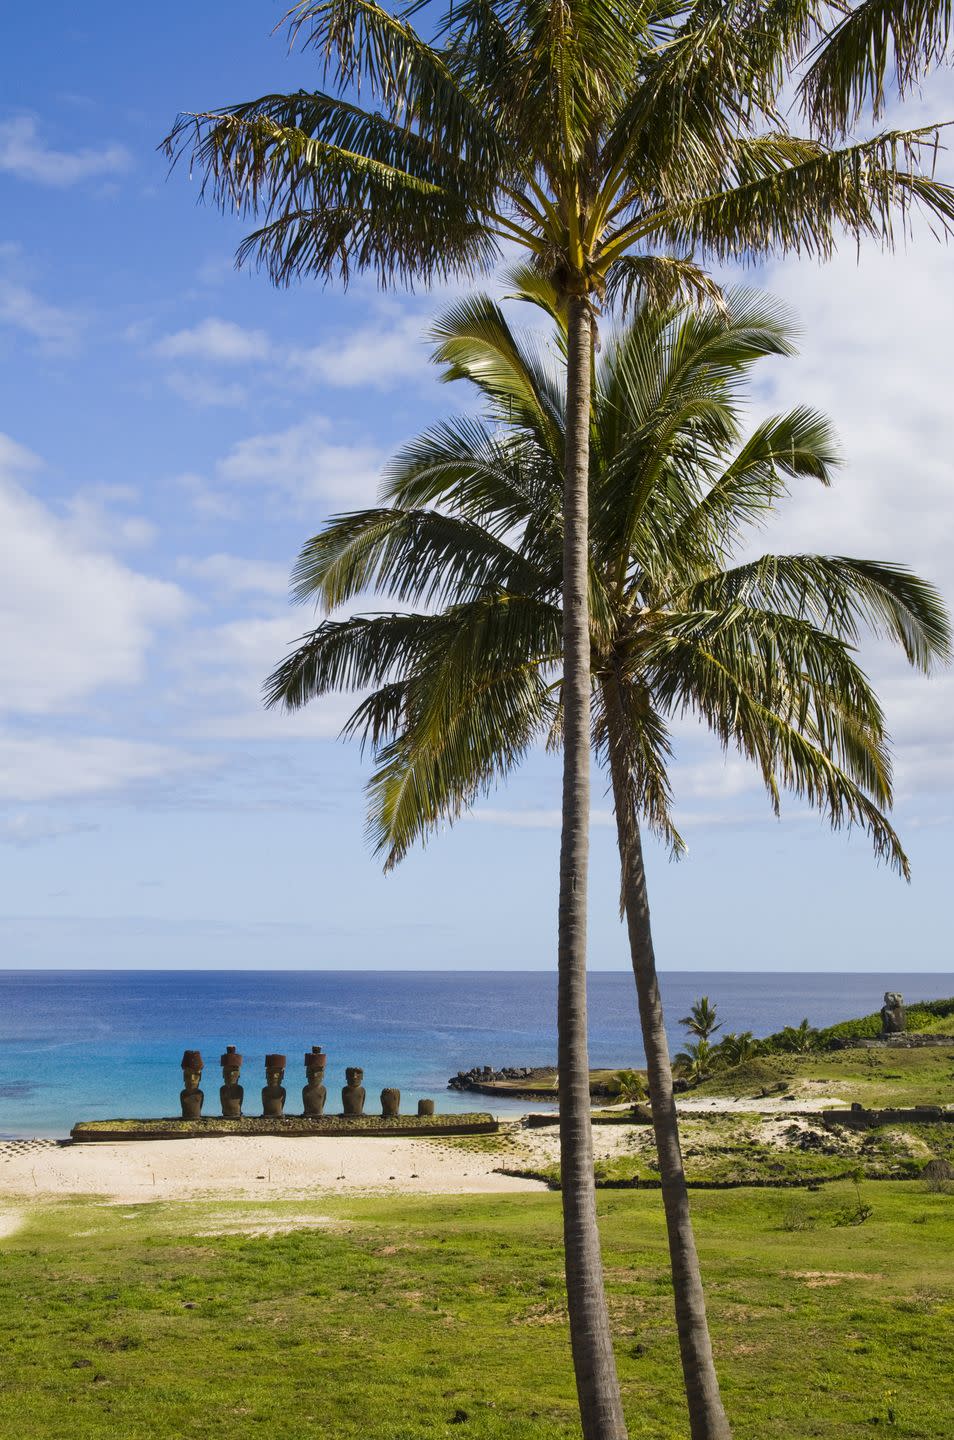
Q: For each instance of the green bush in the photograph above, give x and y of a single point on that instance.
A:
(868, 1027)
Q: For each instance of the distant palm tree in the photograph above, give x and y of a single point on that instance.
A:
(697, 1061)
(736, 1049)
(701, 1020)
(797, 1039)
(762, 652)
(629, 1085)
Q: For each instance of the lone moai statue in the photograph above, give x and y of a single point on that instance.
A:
(893, 1018)
(314, 1094)
(231, 1093)
(352, 1096)
(425, 1107)
(390, 1102)
(273, 1092)
(190, 1096)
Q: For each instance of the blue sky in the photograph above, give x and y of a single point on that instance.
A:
(171, 432)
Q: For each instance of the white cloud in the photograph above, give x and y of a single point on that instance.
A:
(237, 576)
(55, 330)
(45, 768)
(16, 458)
(874, 356)
(303, 463)
(217, 340)
(98, 519)
(204, 392)
(72, 618)
(30, 827)
(540, 819)
(205, 500)
(24, 154)
(381, 356)
(227, 665)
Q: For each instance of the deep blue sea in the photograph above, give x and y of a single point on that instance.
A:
(98, 1044)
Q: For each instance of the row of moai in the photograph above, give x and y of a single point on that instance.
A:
(314, 1094)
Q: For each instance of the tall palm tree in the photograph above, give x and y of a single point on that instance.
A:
(606, 141)
(701, 1020)
(762, 652)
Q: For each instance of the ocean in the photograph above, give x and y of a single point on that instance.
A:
(87, 1045)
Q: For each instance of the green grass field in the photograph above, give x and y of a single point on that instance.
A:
(403, 1318)
(872, 1077)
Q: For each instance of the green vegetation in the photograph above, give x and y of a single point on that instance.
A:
(927, 1016)
(410, 1319)
(897, 1077)
(753, 1149)
(741, 1053)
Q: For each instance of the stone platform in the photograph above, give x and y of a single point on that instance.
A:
(292, 1127)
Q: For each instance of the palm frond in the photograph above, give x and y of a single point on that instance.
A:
(874, 41)
(787, 758)
(863, 190)
(419, 557)
(843, 594)
(348, 655)
(798, 444)
(661, 281)
(475, 342)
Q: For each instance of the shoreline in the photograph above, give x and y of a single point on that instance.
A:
(291, 1167)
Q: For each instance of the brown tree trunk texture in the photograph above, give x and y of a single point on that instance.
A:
(707, 1418)
(601, 1410)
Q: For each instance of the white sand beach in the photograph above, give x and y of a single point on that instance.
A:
(280, 1167)
(249, 1166)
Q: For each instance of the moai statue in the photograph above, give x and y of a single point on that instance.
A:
(893, 1018)
(390, 1102)
(190, 1096)
(273, 1092)
(425, 1107)
(314, 1094)
(231, 1093)
(352, 1096)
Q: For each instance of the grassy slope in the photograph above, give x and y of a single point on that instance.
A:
(400, 1313)
(874, 1077)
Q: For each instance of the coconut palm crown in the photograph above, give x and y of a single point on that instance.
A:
(617, 144)
(762, 652)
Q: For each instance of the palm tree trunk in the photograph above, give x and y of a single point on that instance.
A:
(707, 1418)
(601, 1410)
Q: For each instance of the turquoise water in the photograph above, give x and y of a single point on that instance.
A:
(96, 1044)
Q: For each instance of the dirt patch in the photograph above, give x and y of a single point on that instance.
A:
(262, 1225)
(10, 1222)
(816, 1279)
(545, 1313)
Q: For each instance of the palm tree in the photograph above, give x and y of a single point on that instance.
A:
(606, 142)
(736, 1049)
(471, 530)
(697, 1061)
(701, 1020)
(629, 1085)
(797, 1039)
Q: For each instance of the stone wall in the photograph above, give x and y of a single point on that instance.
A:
(858, 1118)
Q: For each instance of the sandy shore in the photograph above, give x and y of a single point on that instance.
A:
(800, 1104)
(274, 1168)
(250, 1166)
